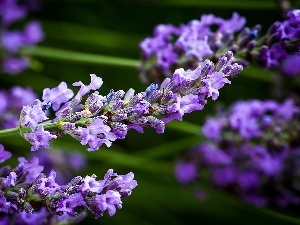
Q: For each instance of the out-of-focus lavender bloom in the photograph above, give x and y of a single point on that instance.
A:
(291, 65)
(12, 41)
(11, 11)
(185, 45)
(104, 119)
(212, 129)
(186, 172)
(41, 217)
(15, 65)
(64, 163)
(211, 36)
(11, 104)
(27, 194)
(253, 152)
(4, 155)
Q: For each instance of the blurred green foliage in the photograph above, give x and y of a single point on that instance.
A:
(102, 37)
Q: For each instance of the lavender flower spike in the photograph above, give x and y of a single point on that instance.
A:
(251, 151)
(12, 11)
(25, 189)
(104, 119)
(211, 37)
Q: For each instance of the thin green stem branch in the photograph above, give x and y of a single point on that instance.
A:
(47, 125)
(9, 132)
(18, 131)
(79, 57)
(87, 58)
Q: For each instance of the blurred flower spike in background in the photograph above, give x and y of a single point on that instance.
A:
(187, 44)
(12, 11)
(251, 151)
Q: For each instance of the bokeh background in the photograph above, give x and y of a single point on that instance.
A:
(102, 37)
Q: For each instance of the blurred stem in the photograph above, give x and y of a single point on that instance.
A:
(187, 127)
(87, 58)
(80, 57)
(169, 148)
(172, 147)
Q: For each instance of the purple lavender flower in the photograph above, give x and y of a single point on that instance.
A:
(32, 114)
(96, 83)
(58, 95)
(12, 102)
(212, 129)
(291, 65)
(252, 151)
(41, 217)
(25, 187)
(186, 45)
(4, 155)
(39, 138)
(15, 65)
(186, 172)
(96, 134)
(32, 168)
(12, 11)
(281, 40)
(104, 119)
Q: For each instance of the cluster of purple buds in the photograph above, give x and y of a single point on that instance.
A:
(252, 151)
(41, 217)
(184, 46)
(25, 189)
(281, 40)
(12, 102)
(12, 41)
(104, 119)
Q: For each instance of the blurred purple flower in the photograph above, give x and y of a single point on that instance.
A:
(11, 104)
(291, 65)
(252, 148)
(12, 11)
(186, 172)
(210, 37)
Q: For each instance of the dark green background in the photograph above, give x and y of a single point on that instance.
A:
(115, 28)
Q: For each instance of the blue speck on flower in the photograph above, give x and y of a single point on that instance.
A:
(58, 95)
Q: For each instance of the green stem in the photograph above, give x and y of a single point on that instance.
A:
(58, 124)
(9, 132)
(87, 58)
(80, 57)
(18, 131)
